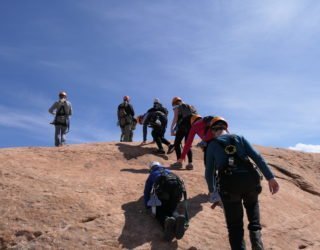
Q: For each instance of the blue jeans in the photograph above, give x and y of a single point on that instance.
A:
(60, 135)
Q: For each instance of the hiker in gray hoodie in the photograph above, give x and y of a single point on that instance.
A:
(62, 110)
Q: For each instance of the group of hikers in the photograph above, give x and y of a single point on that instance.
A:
(233, 180)
(233, 168)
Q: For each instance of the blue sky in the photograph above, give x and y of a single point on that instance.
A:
(253, 62)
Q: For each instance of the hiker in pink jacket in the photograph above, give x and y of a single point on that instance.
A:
(199, 126)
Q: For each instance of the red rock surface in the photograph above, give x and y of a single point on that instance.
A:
(89, 196)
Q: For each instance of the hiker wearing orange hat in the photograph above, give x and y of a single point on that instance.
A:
(62, 110)
(126, 120)
(239, 181)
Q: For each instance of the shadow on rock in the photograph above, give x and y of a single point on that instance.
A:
(141, 228)
(135, 151)
(135, 171)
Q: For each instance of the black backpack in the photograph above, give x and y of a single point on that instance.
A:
(169, 186)
(124, 117)
(186, 110)
(158, 120)
(239, 175)
(61, 116)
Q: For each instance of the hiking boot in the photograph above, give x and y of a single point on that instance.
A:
(180, 219)
(170, 149)
(160, 151)
(176, 165)
(169, 228)
(255, 238)
(189, 166)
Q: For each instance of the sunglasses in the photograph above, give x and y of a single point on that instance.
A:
(217, 128)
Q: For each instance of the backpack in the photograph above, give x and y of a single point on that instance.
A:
(159, 107)
(169, 186)
(207, 120)
(158, 120)
(240, 174)
(61, 116)
(186, 110)
(124, 117)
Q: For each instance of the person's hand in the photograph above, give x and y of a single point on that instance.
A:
(173, 133)
(273, 186)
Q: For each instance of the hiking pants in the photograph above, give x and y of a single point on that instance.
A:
(158, 137)
(232, 198)
(126, 133)
(60, 135)
(181, 134)
(166, 210)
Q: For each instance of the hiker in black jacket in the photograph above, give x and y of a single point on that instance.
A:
(158, 122)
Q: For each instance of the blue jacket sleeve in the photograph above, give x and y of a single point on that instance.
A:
(147, 190)
(258, 159)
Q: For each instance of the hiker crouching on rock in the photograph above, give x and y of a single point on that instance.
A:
(163, 192)
(157, 120)
(62, 110)
(238, 182)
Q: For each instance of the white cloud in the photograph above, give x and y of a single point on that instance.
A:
(306, 148)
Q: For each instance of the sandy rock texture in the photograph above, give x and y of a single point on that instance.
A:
(89, 196)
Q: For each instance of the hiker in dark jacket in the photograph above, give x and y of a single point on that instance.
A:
(158, 122)
(238, 182)
(157, 106)
(126, 120)
(62, 110)
(163, 192)
(180, 128)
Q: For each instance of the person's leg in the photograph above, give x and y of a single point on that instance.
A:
(156, 137)
(57, 133)
(251, 204)
(127, 131)
(234, 218)
(63, 135)
(177, 142)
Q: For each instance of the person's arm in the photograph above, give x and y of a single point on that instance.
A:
(262, 165)
(258, 159)
(70, 108)
(53, 108)
(188, 143)
(147, 190)
(131, 110)
(209, 171)
(174, 121)
(145, 126)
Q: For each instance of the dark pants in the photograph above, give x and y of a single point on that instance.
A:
(158, 137)
(60, 135)
(235, 191)
(166, 210)
(182, 133)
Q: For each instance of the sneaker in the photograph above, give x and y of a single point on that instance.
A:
(189, 166)
(169, 228)
(180, 226)
(170, 149)
(176, 165)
